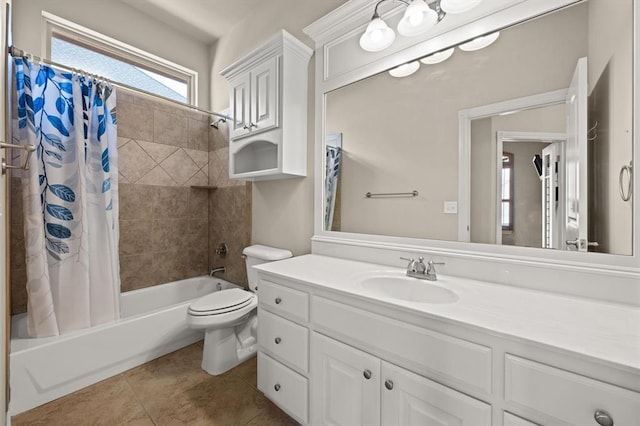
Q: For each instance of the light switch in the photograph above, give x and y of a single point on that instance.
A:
(451, 207)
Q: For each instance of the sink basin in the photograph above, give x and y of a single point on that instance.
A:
(409, 289)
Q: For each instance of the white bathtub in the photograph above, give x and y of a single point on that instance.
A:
(152, 324)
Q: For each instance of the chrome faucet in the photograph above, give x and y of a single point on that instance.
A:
(418, 269)
(220, 269)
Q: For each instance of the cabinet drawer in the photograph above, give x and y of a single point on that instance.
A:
(284, 339)
(565, 397)
(286, 388)
(457, 361)
(283, 300)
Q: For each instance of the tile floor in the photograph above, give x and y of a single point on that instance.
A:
(171, 390)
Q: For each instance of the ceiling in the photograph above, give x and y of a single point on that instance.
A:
(204, 20)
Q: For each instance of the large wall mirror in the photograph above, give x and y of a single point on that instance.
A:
(525, 142)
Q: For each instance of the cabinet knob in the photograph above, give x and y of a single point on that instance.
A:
(252, 125)
(388, 384)
(367, 374)
(277, 387)
(603, 418)
(246, 126)
(278, 300)
(278, 340)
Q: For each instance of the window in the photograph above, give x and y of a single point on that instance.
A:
(507, 191)
(82, 48)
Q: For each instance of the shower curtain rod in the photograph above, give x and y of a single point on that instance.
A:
(16, 52)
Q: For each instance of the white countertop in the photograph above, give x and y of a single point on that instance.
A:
(604, 331)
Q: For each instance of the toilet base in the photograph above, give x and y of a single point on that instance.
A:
(224, 348)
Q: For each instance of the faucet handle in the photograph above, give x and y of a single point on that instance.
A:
(412, 263)
(432, 269)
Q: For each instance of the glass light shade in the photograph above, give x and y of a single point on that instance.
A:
(418, 19)
(438, 57)
(458, 6)
(377, 37)
(405, 70)
(480, 42)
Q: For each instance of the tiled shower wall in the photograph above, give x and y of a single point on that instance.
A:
(168, 229)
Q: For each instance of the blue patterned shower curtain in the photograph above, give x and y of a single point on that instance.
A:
(332, 173)
(70, 195)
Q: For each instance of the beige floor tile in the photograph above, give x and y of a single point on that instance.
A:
(271, 415)
(248, 371)
(110, 402)
(221, 400)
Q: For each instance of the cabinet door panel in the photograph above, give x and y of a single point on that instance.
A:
(239, 101)
(264, 95)
(341, 394)
(409, 399)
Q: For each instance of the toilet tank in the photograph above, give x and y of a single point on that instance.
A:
(257, 254)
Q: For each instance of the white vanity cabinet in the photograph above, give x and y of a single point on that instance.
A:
(352, 387)
(268, 103)
(331, 355)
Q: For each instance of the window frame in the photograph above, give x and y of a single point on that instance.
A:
(71, 32)
(510, 201)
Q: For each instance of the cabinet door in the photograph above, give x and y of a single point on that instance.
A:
(239, 101)
(345, 385)
(264, 95)
(409, 399)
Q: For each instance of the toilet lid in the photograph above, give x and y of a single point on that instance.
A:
(221, 302)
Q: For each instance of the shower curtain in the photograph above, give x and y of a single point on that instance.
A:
(332, 173)
(70, 195)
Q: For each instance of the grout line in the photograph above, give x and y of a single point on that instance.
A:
(123, 377)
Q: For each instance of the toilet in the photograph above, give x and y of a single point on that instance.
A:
(229, 317)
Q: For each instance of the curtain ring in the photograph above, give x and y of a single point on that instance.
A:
(629, 170)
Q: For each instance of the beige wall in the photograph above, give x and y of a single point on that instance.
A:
(402, 134)
(121, 22)
(282, 210)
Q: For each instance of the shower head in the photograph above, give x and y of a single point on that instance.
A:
(215, 124)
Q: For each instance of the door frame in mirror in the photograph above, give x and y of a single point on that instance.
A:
(465, 117)
(548, 270)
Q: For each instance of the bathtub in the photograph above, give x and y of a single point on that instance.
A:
(152, 324)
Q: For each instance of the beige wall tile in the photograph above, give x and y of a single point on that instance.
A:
(169, 128)
(136, 201)
(180, 167)
(134, 162)
(135, 122)
(136, 271)
(200, 157)
(170, 203)
(158, 151)
(135, 236)
(157, 177)
(198, 134)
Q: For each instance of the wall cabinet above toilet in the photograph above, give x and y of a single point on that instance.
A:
(268, 102)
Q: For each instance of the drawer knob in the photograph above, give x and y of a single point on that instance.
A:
(603, 418)
(278, 340)
(367, 374)
(388, 384)
(277, 387)
(278, 300)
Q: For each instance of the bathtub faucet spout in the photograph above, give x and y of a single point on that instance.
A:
(220, 269)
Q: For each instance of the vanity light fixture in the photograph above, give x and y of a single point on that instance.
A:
(405, 70)
(458, 6)
(479, 42)
(438, 57)
(419, 18)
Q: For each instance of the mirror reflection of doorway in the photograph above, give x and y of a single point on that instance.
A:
(530, 211)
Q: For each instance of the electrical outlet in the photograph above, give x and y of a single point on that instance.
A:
(451, 207)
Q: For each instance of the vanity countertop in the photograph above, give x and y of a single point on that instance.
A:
(606, 332)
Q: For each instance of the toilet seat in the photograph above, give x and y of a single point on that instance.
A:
(221, 308)
(221, 302)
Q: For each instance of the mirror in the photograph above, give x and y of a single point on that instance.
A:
(524, 142)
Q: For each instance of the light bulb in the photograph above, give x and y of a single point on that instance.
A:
(378, 36)
(458, 6)
(405, 70)
(479, 42)
(418, 19)
(438, 57)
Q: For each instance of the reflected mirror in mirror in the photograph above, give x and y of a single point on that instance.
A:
(548, 112)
